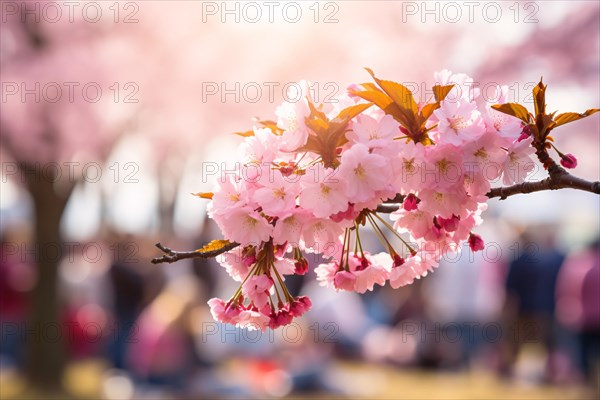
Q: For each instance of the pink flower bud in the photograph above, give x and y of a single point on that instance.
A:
(410, 202)
(300, 305)
(568, 161)
(475, 242)
(280, 318)
(301, 265)
(525, 133)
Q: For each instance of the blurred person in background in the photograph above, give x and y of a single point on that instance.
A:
(17, 277)
(464, 297)
(135, 284)
(162, 353)
(530, 301)
(578, 306)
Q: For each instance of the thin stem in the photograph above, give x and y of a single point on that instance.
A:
(346, 238)
(382, 239)
(287, 294)
(239, 290)
(358, 240)
(395, 233)
(381, 236)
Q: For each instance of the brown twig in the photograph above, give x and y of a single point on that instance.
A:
(566, 181)
(172, 256)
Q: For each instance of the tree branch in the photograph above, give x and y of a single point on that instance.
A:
(172, 256)
(558, 178)
(387, 208)
(566, 181)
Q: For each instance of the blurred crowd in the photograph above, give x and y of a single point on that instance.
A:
(523, 310)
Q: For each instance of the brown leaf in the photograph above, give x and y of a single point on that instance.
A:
(565, 118)
(327, 135)
(245, 134)
(272, 125)
(341, 120)
(383, 101)
(428, 109)
(373, 95)
(539, 98)
(204, 195)
(514, 109)
(213, 246)
(400, 94)
(545, 124)
(440, 92)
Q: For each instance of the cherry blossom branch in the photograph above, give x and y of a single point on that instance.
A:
(172, 256)
(558, 178)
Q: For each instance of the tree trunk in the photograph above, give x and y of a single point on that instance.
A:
(45, 352)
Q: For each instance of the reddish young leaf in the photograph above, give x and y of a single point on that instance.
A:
(539, 97)
(565, 118)
(514, 109)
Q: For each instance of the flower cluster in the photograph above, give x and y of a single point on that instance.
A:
(312, 180)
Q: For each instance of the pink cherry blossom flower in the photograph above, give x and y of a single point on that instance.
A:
(372, 132)
(363, 173)
(260, 149)
(503, 125)
(344, 280)
(300, 305)
(446, 202)
(256, 288)
(253, 320)
(245, 226)
(449, 224)
(349, 214)
(459, 122)
(288, 228)
(323, 192)
(322, 235)
(404, 274)
(326, 273)
(229, 194)
(464, 87)
(518, 162)
(277, 196)
(417, 222)
(484, 156)
(224, 312)
(285, 266)
(443, 167)
(280, 317)
(376, 272)
(283, 202)
(235, 263)
(291, 116)
(408, 167)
